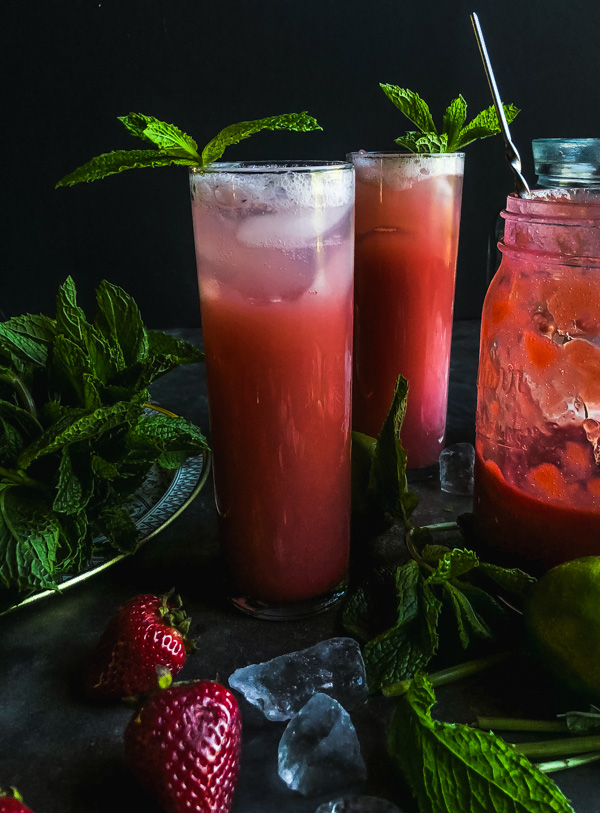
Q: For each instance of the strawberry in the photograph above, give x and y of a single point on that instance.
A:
(144, 643)
(11, 802)
(184, 744)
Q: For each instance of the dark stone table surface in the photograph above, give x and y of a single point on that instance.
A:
(66, 755)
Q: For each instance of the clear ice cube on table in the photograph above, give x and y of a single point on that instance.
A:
(358, 804)
(280, 687)
(319, 750)
(456, 469)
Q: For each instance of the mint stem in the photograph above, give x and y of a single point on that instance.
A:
(557, 748)
(513, 724)
(442, 526)
(414, 553)
(22, 391)
(449, 675)
(569, 762)
(19, 478)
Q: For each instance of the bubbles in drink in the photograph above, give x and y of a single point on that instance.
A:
(280, 231)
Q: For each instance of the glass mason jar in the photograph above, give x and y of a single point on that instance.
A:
(537, 468)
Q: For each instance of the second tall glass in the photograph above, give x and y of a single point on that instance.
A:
(407, 223)
(274, 246)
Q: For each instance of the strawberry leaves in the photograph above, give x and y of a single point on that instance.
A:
(75, 437)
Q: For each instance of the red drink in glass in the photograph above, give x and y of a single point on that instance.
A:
(407, 222)
(275, 267)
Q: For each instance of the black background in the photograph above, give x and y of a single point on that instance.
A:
(70, 67)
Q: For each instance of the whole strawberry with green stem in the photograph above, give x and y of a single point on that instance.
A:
(11, 801)
(144, 645)
(184, 745)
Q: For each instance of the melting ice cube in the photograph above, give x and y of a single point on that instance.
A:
(297, 228)
(319, 749)
(358, 804)
(280, 687)
(456, 469)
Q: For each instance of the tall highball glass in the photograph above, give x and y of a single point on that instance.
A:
(407, 223)
(274, 250)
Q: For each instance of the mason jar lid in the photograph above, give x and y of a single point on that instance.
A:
(567, 161)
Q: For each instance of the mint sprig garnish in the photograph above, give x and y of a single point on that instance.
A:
(174, 147)
(454, 134)
(450, 766)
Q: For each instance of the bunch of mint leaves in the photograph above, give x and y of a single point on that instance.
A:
(171, 146)
(443, 595)
(76, 436)
(454, 134)
(401, 613)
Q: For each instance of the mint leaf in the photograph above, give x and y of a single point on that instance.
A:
(468, 621)
(454, 119)
(75, 482)
(119, 320)
(454, 767)
(485, 124)
(28, 337)
(175, 351)
(68, 430)
(175, 437)
(410, 644)
(388, 473)
(453, 564)
(424, 143)
(70, 319)
(300, 122)
(111, 163)
(71, 370)
(412, 105)
(116, 524)
(514, 581)
(372, 607)
(29, 539)
(582, 722)
(166, 136)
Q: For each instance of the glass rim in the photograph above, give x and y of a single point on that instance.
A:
(273, 167)
(564, 204)
(569, 141)
(399, 154)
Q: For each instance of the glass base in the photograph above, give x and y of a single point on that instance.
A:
(288, 612)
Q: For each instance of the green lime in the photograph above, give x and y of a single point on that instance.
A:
(562, 616)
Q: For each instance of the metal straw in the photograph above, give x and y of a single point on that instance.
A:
(512, 154)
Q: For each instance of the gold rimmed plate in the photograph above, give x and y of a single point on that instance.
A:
(161, 498)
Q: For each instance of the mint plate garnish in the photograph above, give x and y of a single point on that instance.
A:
(76, 440)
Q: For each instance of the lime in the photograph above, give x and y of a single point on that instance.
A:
(562, 616)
